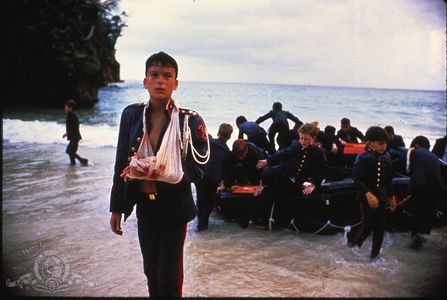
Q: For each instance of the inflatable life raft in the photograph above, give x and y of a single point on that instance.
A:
(331, 208)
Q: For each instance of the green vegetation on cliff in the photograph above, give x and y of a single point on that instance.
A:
(57, 50)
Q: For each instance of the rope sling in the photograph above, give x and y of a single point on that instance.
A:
(166, 165)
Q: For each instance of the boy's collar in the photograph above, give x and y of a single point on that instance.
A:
(169, 106)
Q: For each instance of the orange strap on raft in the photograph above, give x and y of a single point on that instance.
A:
(250, 189)
(352, 148)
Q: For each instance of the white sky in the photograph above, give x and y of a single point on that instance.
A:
(363, 43)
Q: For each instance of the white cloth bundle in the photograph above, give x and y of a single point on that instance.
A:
(167, 164)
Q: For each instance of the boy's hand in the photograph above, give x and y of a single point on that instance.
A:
(308, 188)
(392, 202)
(258, 190)
(372, 200)
(261, 163)
(115, 223)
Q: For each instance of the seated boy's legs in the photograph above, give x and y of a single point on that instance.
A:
(425, 202)
(206, 190)
(286, 196)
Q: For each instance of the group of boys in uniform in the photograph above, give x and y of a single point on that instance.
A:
(164, 208)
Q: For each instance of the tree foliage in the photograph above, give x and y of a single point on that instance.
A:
(59, 49)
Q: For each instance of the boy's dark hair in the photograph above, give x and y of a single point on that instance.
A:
(163, 59)
(277, 106)
(420, 140)
(375, 134)
(389, 129)
(329, 130)
(70, 103)
(240, 120)
(345, 121)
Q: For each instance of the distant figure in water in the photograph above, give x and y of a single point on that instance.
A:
(72, 134)
(279, 126)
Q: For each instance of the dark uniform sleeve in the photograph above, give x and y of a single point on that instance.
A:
(359, 134)
(293, 118)
(121, 161)
(194, 171)
(282, 154)
(389, 178)
(319, 167)
(359, 173)
(264, 117)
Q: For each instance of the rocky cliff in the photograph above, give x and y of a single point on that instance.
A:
(59, 50)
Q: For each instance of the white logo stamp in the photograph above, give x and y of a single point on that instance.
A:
(51, 273)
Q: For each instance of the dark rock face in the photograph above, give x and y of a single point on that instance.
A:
(58, 50)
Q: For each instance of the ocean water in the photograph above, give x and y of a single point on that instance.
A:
(58, 215)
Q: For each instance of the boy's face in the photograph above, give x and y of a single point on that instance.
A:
(306, 140)
(378, 146)
(160, 81)
(67, 108)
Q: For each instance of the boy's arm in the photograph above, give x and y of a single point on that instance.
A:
(319, 169)
(360, 135)
(389, 180)
(241, 134)
(282, 154)
(193, 169)
(358, 174)
(121, 161)
(263, 118)
(293, 118)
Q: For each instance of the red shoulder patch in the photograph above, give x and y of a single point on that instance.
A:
(201, 131)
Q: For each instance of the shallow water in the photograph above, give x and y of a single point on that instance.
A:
(48, 205)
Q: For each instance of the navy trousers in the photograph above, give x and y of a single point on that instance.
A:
(162, 250)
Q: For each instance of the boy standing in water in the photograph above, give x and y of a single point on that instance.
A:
(72, 134)
(373, 178)
(163, 208)
(426, 188)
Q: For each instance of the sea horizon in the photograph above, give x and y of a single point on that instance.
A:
(296, 84)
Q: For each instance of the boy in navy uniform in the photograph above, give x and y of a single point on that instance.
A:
(349, 134)
(72, 134)
(426, 188)
(373, 178)
(294, 171)
(163, 209)
(279, 126)
(207, 187)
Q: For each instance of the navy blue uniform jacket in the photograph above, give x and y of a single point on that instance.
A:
(372, 173)
(304, 164)
(72, 127)
(176, 202)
